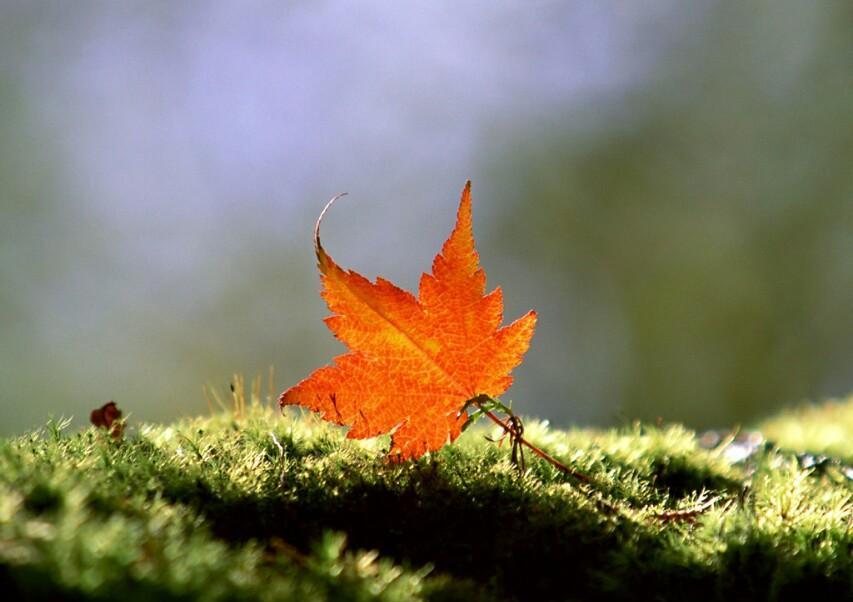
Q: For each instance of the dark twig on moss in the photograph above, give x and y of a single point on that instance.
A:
(514, 429)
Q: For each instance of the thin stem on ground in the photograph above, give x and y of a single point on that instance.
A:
(514, 429)
(514, 434)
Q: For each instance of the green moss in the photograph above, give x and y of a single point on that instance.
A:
(827, 428)
(271, 507)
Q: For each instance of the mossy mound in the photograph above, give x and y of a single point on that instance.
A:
(271, 507)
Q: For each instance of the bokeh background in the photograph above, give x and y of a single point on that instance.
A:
(669, 184)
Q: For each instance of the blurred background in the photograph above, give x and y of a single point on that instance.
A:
(668, 184)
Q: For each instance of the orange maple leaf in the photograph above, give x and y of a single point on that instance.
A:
(413, 363)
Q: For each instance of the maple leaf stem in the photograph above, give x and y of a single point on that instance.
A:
(512, 428)
(513, 431)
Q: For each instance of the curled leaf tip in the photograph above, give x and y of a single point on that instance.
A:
(318, 248)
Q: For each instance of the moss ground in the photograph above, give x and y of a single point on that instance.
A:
(253, 505)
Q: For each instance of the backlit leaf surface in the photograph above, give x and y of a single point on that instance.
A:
(414, 362)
